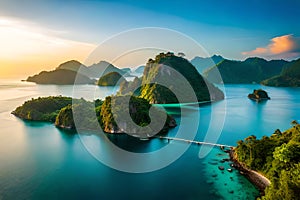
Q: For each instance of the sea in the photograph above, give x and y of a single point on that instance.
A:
(40, 161)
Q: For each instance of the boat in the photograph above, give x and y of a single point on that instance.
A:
(230, 170)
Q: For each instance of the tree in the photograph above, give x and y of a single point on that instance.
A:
(294, 123)
(181, 54)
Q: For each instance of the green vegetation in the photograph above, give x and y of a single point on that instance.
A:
(84, 113)
(289, 77)
(131, 87)
(138, 109)
(64, 119)
(248, 71)
(278, 158)
(64, 112)
(110, 79)
(42, 108)
(158, 70)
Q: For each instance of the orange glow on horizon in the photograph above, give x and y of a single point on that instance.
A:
(27, 49)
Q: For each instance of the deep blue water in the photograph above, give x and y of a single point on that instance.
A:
(39, 161)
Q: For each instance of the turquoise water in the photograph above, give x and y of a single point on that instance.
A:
(39, 161)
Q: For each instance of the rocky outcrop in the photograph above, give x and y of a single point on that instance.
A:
(116, 120)
(259, 95)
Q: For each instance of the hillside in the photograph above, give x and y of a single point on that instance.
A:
(278, 158)
(289, 77)
(128, 87)
(138, 109)
(248, 71)
(110, 79)
(157, 70)
(42, 109)
(203, 64)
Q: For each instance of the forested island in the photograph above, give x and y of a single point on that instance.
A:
(166, 65)
(89, 115)
(276, 157)
(142, 91)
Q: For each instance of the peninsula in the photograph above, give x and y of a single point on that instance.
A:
(277, 158)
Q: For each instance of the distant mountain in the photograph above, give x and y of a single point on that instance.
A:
(203, 64)
(66, 73)
(140, 69)
(60, 77)
(102, 68)
(248, 71)
(74, 65)
(126, 70)
(289, 77)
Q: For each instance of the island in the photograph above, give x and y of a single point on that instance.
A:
(91, 115)
(289, 77)
(42, 109)
(74, 72)
(259, 95)
(111, 79)
(60, 77)
(271, 163)
(151, 89)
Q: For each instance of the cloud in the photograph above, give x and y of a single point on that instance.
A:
(286, 46)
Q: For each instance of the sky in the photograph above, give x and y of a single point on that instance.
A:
(39, 35)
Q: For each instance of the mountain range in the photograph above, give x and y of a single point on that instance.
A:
(251, 70)
(215, 69)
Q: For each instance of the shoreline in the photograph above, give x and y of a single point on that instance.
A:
(257, 179)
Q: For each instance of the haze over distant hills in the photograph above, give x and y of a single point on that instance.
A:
(102, 68)
(203, 64)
